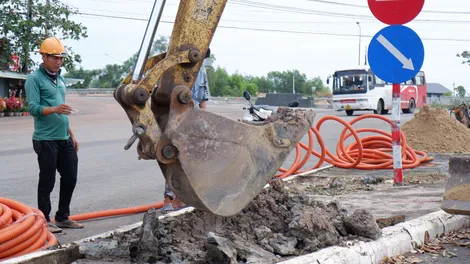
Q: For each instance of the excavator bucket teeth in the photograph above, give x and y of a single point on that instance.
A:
(223, 164)
(457, 194)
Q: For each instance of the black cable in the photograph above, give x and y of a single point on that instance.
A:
(272, 30)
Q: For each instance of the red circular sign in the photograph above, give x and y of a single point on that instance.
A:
(395, 12)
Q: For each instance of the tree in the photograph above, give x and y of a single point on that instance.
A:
(466, 56)
(461, 92)
(87, 75)
(129, 64)
(218, 81)
(319, 89)
(110, 77)
(25, 24)
(263, 84)
(447, 94)
(300, 84)
(282, 82)
(159, 46)
(250, 87)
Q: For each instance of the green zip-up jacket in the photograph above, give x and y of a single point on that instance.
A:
(42, 91)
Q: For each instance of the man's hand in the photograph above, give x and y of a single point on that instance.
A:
(75, 143)
(63, 109)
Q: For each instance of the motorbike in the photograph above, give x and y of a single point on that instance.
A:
(259, 113)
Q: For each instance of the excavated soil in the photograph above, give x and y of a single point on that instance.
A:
(280, 223)
(434, 130)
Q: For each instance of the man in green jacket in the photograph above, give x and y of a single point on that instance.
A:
(53, 140)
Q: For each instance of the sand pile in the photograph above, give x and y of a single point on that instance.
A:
(322, 102)
(435, 130)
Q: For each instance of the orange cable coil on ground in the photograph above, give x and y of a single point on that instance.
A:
(368, 153)
(22, 230)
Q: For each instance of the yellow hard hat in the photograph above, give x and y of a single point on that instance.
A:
(53, 46)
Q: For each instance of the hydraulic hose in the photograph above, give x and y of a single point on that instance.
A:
(23, 229)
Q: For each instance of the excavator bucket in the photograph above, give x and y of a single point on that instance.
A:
(457, 194)
(223, 164)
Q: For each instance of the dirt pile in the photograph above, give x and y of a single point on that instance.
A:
(278, 224)
(434, 130)
(322, 102)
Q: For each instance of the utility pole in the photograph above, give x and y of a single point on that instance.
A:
(293, 82)
(48, 3)
(28, 39)
(360, 35)
(365, 56)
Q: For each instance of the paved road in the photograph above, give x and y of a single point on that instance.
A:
(109, 177)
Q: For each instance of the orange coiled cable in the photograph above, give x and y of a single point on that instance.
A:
(22, 230)
(368, 153)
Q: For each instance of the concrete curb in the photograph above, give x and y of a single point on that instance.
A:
(395, 240)
(67, 254)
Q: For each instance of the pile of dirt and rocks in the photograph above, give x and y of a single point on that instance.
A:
(434, 130)
(280, 223)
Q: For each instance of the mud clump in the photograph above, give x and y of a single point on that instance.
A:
(390, 221)
(359, 223)
(279, 223)
(288, 115)
(434, 130)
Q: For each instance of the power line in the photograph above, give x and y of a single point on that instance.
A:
(301, 10)
(120, 17)
(118, 2)
(237, 20)
(322, 13)
(327, 13)
(272, 30)
(296, 10)
(362, 6)
(113, 58)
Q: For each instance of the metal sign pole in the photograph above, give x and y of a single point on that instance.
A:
(396, 133)
(396, 55)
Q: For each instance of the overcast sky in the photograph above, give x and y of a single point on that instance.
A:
(329, 40)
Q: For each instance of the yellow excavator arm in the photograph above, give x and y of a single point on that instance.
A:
(211, 162)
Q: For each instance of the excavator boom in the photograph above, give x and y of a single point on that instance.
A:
(211, 162)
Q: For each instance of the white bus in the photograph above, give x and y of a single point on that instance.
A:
(358, 89)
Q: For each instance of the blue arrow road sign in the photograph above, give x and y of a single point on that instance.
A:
(396, 54)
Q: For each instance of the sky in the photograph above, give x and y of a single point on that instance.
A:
(255, 37)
